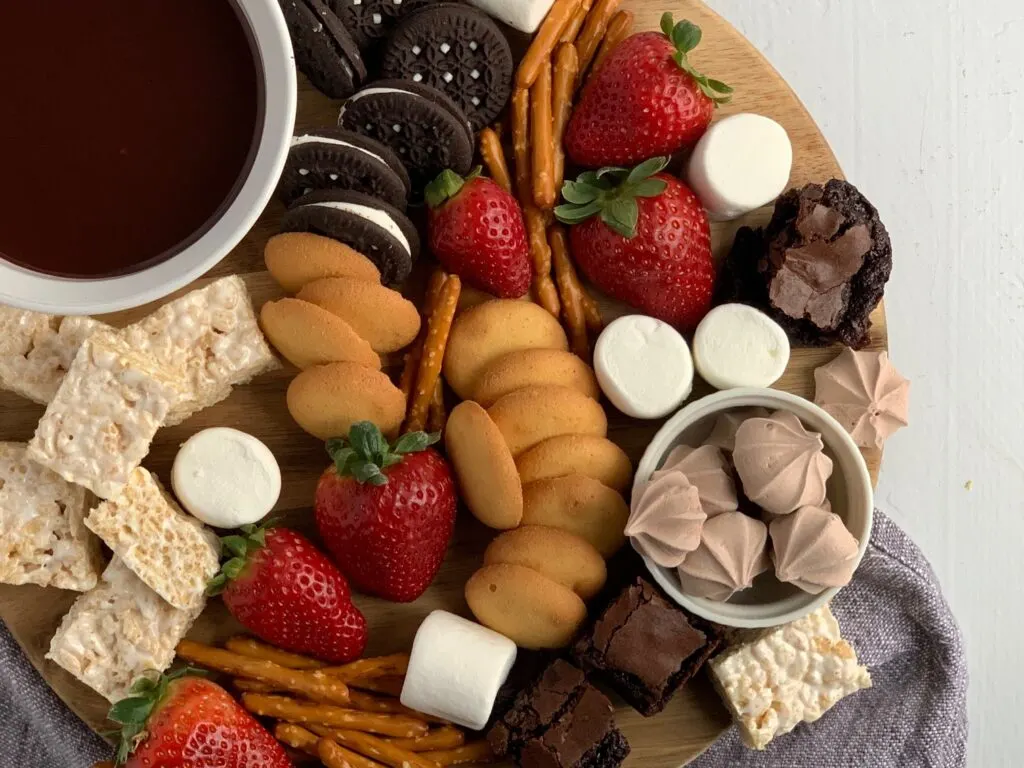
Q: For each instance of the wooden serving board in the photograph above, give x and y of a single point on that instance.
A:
(695, 717)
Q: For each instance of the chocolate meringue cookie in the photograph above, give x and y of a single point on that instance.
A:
(781, 464)
(813, 550)
(707, 469)
(723, 434)
(864, 393)
(733, 552)
(666, 519)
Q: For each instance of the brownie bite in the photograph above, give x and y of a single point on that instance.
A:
(560, 721)
(819, 268)
(646, 647)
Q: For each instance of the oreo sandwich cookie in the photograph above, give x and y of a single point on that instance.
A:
(426, 128)
(377, 230)
(324, 50)
(368, 21)
(333, 158)
(458, 50)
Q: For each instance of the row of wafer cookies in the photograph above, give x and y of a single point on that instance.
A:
(337, 329)
(530, 450)
(575, 38)
(347, 715)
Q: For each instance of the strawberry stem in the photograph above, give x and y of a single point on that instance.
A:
(132, 713)
(612, 193)
(446, 186)
(686, 36)
(365, 453)
(241, 547)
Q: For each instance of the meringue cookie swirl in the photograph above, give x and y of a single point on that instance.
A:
(732, 553)
(707, 469)
(666, 519)
(813, 550)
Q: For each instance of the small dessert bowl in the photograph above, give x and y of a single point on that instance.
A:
(769, 602)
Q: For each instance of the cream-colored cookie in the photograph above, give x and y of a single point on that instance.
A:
(308, 335)
(485, 468)
(327, 400)
(580, 505)
(295, 259)
(532, 368)
(535, 414)
(560, 555)
(525, 606)
(595, 457)
(491, 330)
(385, 318)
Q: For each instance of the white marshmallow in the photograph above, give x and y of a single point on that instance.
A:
(456, 668)
(525, 15)
(643, 366)
(739, 346)
(740, 164)
(226, 478)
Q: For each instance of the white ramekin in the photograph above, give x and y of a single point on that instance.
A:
(769, 602)
(26, 289)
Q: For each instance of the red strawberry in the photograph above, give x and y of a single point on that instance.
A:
(183, 721)
(286, 592)
(643, 237)
(386, 512)
(646, 100)
(476, 230)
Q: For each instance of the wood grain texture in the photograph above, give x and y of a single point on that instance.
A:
(695, 717)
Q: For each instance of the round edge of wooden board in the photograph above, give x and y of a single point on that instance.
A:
(695, 718)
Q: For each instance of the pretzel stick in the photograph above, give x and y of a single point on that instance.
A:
(251, 686)
(314, 685)
(539, 52)
(572, 29)
(392, 686)
(543, 287)
(567, 69)
(570, 291)
(254, 649)
(367, 669)
(311, 713)
(477, 752)
(412, 356)
(334, 756)
(541, 139)
(436, 416)
(378, 749)
(440, 738)
(439, 326)
(592, 312)
(493, 155)
(594, 30)
(297, 737)
(521, 144)
(619, 28)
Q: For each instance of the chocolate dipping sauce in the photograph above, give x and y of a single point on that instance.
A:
(126, 127)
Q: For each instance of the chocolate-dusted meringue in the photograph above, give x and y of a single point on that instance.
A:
(707, 469)
(866, 394)
(733, 552)
(723, 434)
(666, 519)
(813, 550)
(781, 464)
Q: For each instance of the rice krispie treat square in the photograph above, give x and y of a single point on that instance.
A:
(212, 341)
(21, 332)
(42, 517)
(99, 426)
(792, 674)
(119, 632)
(169, 550)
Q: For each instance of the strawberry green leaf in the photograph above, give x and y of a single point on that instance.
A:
(367, 440)
(667, 24)
(573, 214)
(719, 86)
(236, 545)
(647, 169)
(134, 709)
(650, 188)
(612, 194)
(369, 472)
(685, 37)
(622, 216)
(365, 453)
(579, 194)
(414, 442)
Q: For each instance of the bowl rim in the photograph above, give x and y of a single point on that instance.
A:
(717, 403)
(26, 289)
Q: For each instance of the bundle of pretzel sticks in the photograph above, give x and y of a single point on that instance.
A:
(346, 716)
(572, 42)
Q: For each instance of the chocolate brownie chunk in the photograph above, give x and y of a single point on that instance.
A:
(324, 50)
(819, 268)
(646, 647)
(460, 51)
(561, 721)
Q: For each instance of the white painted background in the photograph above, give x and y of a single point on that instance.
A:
(923, 102)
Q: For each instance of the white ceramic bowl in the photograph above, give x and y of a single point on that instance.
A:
(769, 602)
(26, 289)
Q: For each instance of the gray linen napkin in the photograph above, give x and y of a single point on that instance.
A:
(915, 716)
